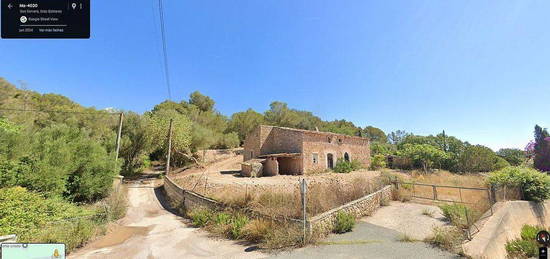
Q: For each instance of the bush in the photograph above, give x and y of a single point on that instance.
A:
(529, 232)
(448, 238)
(71, 233)
(526, 246)
(500, 163)
(222, 218)
(534, 184)
(378, 161)
(113, 207)
(237, 224)
(257, 229)
(522, 248)
(345, 167)
(200, 217)
(62, 161)
(344, 222)
(459, 215)
(283, 235)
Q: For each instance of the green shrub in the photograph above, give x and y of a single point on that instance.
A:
(237, 224)
(345, 167)
(522, 248)
(200, 217)
(71, 233)
(526, 246)
(534, 184)
(378, 161)
(344, 222)
(459, 215)
(500, 163)
(24, 213)
(529, 232)
(222, 218)
(113, 207)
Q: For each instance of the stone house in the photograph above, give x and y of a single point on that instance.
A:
(271, 150)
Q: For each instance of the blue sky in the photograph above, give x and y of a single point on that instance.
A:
(477, 69)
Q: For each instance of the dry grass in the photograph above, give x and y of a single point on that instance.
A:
(428, 212)
(407, 238)
(479, 199)
(448, 238)
(321, 197)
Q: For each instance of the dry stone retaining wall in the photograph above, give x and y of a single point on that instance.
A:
(319, 225)
(324, 222)
(187, 199)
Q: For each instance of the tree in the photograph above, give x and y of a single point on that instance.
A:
(424, 154)
(514, 156)
(203, 102)
(136, 143)
(280, 115)
(397, 136)
(245, 122)
(374, 134)
(477, 158)
(159, 122)
(542, 149)
(342, 127)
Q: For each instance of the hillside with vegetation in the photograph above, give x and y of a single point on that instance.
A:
(56, 153)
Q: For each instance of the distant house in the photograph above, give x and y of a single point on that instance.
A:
(271, 150)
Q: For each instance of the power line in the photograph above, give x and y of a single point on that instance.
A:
(60, 111)
(166, 73)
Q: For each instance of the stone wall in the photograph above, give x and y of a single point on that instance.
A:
(187, 199)
(323, 223)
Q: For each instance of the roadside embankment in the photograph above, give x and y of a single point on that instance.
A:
(505, 225)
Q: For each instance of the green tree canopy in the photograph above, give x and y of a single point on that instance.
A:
(426, 155)
(514, 156)
(477, 158)
(203, 102)
(245, 122)
(374, 134)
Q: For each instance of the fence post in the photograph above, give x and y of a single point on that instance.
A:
(467, 223)
(303, 191)
(490, 200)
(435, 192)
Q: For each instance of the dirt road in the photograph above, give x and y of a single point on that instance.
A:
(150, 231)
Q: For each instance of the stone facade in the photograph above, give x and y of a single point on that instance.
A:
(297, 151)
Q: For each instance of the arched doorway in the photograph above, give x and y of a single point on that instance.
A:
(346, 157)
(330, 161)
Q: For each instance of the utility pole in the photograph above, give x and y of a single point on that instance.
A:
(119, 134)
(169, 148)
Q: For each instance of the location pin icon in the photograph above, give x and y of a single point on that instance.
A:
(73, 5)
